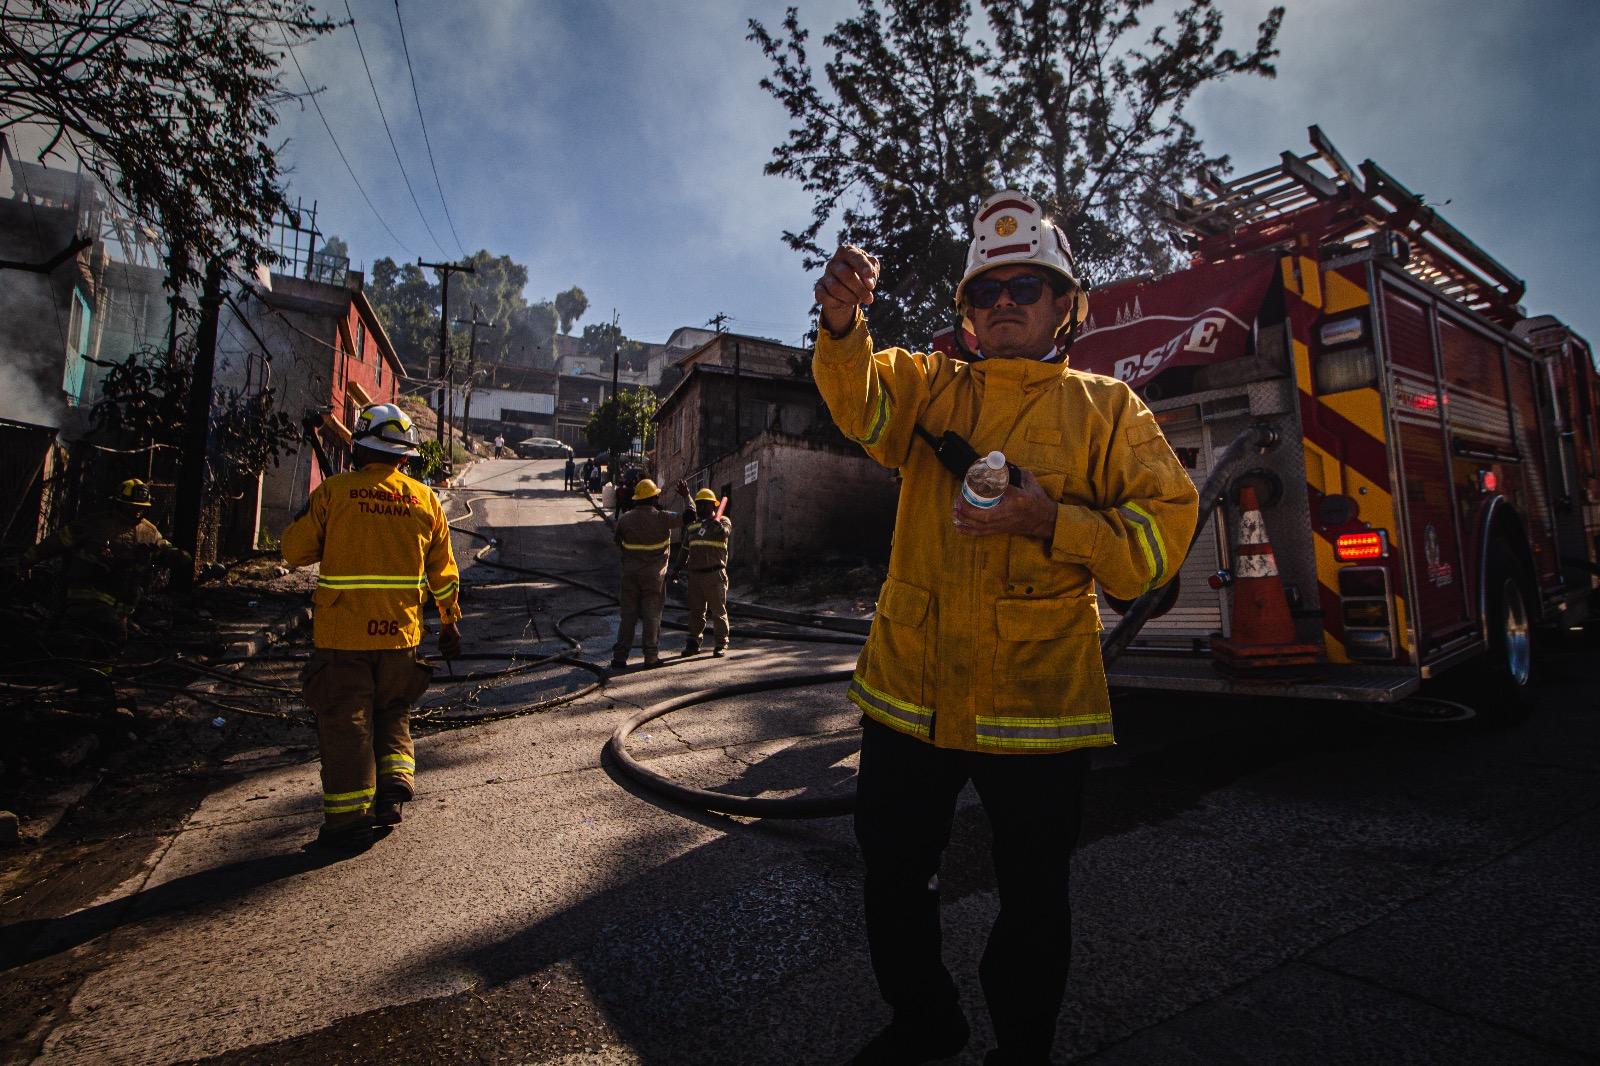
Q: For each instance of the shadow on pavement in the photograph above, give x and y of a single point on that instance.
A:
(28, 941)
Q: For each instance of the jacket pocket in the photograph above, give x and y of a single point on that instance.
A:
(322, 596)
(899, 642)
(1053, 637)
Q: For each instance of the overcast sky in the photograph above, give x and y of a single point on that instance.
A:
(619, 146)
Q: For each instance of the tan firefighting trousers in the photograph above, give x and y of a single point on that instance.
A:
(640, 597)
(707, 593)
(362, 700)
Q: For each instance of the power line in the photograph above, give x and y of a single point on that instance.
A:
(418, 98)
(359, 188)
(389, 133)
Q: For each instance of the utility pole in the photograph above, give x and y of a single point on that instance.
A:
(445, 270)
(196, 428)
(616, 404)
(719, 321)
(472, 366)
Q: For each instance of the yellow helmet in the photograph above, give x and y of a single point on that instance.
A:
(133, 493)
(645, 490)
(706, 495)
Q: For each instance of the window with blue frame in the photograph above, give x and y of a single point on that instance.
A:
(75, 381)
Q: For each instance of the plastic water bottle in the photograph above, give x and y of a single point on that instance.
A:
(986, 480)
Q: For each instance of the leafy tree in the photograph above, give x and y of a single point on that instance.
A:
(407, 302)
(170, 104)
(335, 246)
(495, 286)
(600, 339)
(570, 306)
(924, 114)
(624, 417)
(407, 299)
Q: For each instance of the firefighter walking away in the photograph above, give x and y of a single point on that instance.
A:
(384, 544)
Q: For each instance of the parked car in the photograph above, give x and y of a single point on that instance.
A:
(542, 448)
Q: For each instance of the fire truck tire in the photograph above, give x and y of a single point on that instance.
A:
(1503, 680)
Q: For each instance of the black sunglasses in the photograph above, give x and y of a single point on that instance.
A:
(1025, 289)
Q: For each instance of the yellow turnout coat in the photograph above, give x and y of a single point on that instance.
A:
(991, 643)
(383, 543)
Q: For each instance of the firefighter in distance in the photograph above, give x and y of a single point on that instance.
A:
(705, 561)
(111, 559)
(644, 536)
(384, 545)
(983, 663)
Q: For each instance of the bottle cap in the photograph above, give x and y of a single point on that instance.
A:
(995, 460)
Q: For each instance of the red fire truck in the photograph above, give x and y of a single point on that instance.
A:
(1433, 492)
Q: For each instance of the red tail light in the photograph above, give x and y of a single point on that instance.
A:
(1360, 547)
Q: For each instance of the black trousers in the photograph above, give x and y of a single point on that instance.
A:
(905, 802)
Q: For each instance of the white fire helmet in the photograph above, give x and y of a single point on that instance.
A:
(1011, 229)
(383, 427)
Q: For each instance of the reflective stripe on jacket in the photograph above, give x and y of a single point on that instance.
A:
(383, 543)
(991, 643)
(706, 542)
(645, 536)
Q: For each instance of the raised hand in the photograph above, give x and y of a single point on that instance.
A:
(848, 282)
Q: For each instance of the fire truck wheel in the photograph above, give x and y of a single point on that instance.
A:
(1506, 674)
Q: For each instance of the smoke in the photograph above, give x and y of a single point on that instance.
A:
(33, 334)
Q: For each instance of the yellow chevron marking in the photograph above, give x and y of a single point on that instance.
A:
(1302, 367)
(1334, 647)
(1342, 293)
(1362, 406)
(1313, 281)
(1327, 466)
(1377, 506)
(1309, 285)
(1315, 475)
(1400, 623)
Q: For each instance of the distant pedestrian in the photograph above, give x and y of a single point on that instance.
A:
(645, 536)
(705, 558)
(383, 541)
(571, 474)
(499, 445)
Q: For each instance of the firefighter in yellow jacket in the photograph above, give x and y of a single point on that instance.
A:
(705, 559)
(644, 535)
(110, 558)
(384, 544)
(983, 662)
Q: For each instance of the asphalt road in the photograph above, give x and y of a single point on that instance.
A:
(1259, 882)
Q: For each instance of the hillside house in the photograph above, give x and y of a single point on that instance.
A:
(743, 424)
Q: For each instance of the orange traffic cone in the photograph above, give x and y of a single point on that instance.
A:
(1262, 632)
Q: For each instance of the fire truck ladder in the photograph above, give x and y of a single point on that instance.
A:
(1318, 199)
